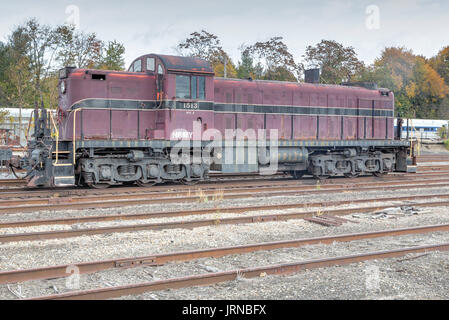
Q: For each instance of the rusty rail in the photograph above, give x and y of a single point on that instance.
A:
(224, 210)
(194, 223)
(228, 186)
(160, 259)
(213, 278)
(102, 202)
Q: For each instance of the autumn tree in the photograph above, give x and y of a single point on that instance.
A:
(40, 45)
(30, 59)
(207, 46)
(78, 49)
(337, 63)
(277, 62)
(441, 63)
(426, 90)
(419, 90)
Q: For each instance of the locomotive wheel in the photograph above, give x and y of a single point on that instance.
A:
(352, 175)
(99, 185)
(189, 183)
(146, 184)
(297, 174)
(321, 177)
(380, 174)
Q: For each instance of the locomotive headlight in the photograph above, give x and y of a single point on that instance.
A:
(63, 87)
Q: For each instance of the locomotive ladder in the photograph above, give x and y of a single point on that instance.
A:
(63, 169)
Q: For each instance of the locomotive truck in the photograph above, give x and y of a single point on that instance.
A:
(126, 127)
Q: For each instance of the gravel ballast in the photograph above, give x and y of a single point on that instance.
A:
(347, 281)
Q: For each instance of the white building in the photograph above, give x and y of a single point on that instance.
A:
(422, 129)
(12, 124)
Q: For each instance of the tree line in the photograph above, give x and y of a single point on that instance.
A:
(420, 85)
(33, 54)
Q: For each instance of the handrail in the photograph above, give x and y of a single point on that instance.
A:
(56, 164)
(74, 133)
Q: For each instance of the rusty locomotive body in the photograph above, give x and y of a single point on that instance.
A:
(123, 127)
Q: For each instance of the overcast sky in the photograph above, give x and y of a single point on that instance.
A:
(146, 26)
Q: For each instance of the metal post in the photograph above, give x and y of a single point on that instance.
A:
(225, 64)
(36, 120)
(408, 128)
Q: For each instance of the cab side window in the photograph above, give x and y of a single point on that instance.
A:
(201, 88)
(182, 87)
(190, 87)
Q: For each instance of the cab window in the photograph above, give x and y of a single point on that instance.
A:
(190, 87)
(201, 88)
(150, 64)
(137, 66)
(182, 87)
(193, 87)
(160, 70)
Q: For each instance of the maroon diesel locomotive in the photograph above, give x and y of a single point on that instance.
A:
(123, 127)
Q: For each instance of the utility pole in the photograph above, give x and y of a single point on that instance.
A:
(225, 63)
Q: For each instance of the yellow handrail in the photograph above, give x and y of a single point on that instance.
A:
(56, 164)
(73, 136)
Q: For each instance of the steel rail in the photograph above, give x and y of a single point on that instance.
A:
(213, 278)
(12, 182)
(60, 204)
(63, 192)
(18, 185)
(60, 271)
(421, 159)
(190, 224)
(181, 213)
(151, 195)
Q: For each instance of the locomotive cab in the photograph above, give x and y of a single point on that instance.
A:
(184, 90)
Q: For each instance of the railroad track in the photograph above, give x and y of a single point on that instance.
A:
(71, 199)
(220, 177)
(12, 183)
(71, 192)
(432, 158)
(118, 190)
(280, 188)
(220, 210)
(60, 271)
(110, 201)
(190, 224)
(217, 277)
